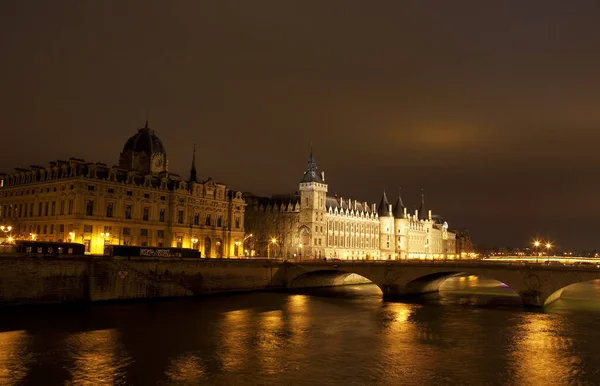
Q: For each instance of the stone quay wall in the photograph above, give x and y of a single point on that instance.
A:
(39, 280)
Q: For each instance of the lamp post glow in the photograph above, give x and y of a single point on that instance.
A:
(548, 247)
(246, 252)
(237, 248)
(536, 245)
(71, 237)
(272, 242)
(6, 230)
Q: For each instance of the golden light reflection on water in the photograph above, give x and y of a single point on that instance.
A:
(187, 368)
(270, 340)
(235, 339)
(14, 359)
(299, 320)
(542, 353)
(98, 358)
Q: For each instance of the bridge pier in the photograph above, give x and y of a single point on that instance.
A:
(532, 299)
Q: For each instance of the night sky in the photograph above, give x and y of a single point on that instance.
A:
(491, 107)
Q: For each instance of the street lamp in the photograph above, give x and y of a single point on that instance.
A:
(6, 230)
(237, 248)
(548, 247)
(536, 245)
(194, 241)
(71, 236)
(300, 250)
(244, 242)
(33, 236)
(273, 242)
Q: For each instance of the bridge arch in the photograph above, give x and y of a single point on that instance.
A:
(537, 285)
(330, 277)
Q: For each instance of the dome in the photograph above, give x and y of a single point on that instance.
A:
(145, 141)
(144, 153)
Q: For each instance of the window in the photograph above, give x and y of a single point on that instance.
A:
(45, 209)
(51, 229)
(126, 231)
(146, 213)
(128, 212)
(160, 233)
(144, 232)
(162, 198)
(146, 195)
(70, 207)
(89, 208)
(180, 217)
(72, 186)
(237, 222)
(207, 219)
(45, 228)
(161, 215)
(129, 193)
(87, 229)
(107, 229)
(62, 207)
(219, 221)
(61, 228)
(196, 218)
(31, 210)
(53, 211)
(109, 209)
(91, 188)
(111, 190)
(144, 243)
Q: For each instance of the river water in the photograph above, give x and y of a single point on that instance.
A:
(467, 335)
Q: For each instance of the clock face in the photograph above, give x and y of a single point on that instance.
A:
(158, 162)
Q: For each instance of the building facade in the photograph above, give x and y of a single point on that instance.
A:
(138, 202)
(311, 224)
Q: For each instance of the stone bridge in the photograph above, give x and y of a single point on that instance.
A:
(537, 284)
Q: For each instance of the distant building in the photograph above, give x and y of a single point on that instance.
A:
(464, 243)
(137, 202)
(311, 224)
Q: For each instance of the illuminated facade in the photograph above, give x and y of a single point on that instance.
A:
(137, 202)
(311, 224)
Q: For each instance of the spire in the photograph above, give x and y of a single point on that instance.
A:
(423, 215)
(312, 173)
(193, 177)
(399, 206)
(384, 206)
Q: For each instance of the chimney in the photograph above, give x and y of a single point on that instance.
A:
(390, 208)
(405, 212)
(430, 214)
(323, 176)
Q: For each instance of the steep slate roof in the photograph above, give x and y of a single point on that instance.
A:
(312, 173)
(340, 203)
(384, 206)
(399, 207)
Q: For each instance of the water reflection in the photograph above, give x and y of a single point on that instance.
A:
(542, 352)
(340, 336)
(235, 339)
(15, 359)
(98, 358)
(186, 368)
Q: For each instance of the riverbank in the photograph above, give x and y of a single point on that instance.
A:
(50, 280)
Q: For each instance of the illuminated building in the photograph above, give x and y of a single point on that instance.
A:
(311, 224)
(138, 202)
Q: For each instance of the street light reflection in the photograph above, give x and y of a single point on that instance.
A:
(543, 355)
(99, 358)
(235, 340)
(14, 357)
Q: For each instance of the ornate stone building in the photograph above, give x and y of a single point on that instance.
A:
(137, 202)
(311, 224)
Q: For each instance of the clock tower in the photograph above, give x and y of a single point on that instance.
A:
(312, 225)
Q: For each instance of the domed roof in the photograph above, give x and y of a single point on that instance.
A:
(144, 141)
